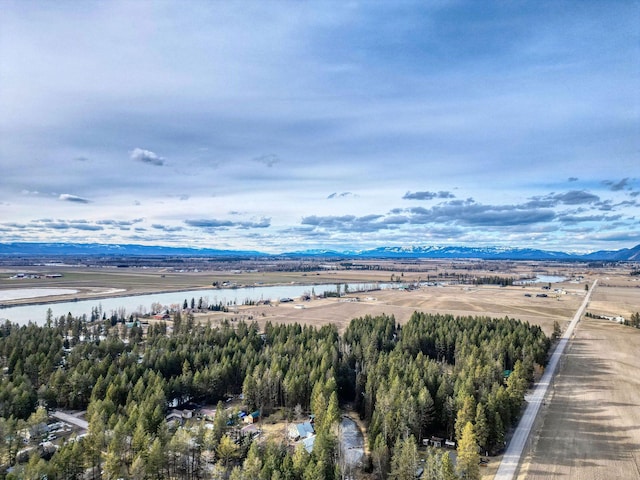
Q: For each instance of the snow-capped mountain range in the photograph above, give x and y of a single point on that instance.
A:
(459, 252)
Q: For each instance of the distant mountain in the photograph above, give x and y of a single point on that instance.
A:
(70, 249)
(626, 254)
(484, 253)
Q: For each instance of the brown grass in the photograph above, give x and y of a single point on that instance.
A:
(591, 426)
(456, 300)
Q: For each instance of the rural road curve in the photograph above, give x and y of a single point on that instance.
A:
(511, 460)
(65, 417)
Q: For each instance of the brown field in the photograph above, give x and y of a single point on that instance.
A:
(591, 426)
(489, 301)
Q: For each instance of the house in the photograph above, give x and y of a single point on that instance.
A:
(252, 417)
(177, 417)
(208, 414)
(174, 418)
(300, 430)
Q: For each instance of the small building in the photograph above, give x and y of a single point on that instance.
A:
(435, 441)
(186, 413)
(253, 417)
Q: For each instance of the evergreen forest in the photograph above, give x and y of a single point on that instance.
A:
(458, 378)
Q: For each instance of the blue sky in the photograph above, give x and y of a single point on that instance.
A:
(282, 126)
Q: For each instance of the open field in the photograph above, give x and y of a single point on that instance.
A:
(489, 301)
(591, 426)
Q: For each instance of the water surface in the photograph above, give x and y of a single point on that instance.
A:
(141, 304)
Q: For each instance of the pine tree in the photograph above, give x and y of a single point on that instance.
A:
(405, 460)
(481, 426)
(426, 411)
(380, 456)
(300, 460)
(219, 426)
(227, 450)
(156, 463)
(467, 413)
(446, 465)
(253, 463)
(468, 457)
(332, 417)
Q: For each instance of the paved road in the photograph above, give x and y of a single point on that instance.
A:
(511, 460)
(65, 417)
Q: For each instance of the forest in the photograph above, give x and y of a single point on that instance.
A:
(460, 378)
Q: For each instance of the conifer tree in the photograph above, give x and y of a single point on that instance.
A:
(481, 426)
(405, 460)
(468, 458)
(467, 413)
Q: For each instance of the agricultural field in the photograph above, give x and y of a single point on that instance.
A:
(591, 426)
(460, 300)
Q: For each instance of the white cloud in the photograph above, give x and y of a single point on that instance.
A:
(146, 156)
(66, 197)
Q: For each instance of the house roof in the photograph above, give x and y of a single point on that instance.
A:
(308, 443)
(249, 429)
(305, 429)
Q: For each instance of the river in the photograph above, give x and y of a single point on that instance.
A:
(141, 304)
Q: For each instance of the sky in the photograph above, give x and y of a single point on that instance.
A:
(285, 126)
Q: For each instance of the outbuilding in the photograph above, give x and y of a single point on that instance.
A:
(253, 417)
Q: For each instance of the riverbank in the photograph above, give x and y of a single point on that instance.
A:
(95, 284)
